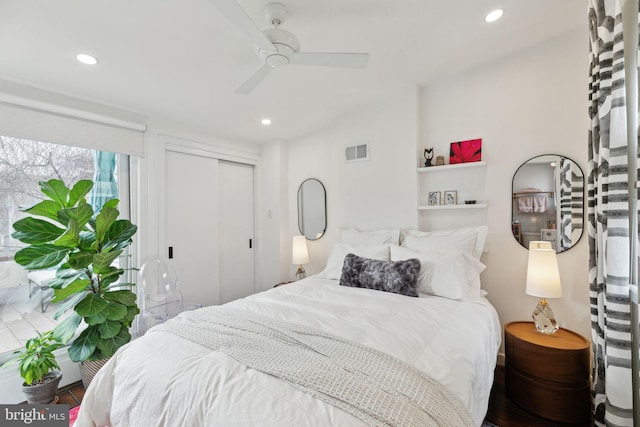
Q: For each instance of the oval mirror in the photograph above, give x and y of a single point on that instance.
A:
(548, 202)
(312, 209)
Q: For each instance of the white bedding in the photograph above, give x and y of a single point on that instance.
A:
(164, 380)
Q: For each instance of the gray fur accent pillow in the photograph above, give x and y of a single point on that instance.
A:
(399, 277)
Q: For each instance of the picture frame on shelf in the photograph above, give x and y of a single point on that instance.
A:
(433, 199)
(451, 197)
(465, 151)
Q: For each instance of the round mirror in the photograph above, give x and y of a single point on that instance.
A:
(312, 209)
(548, 202)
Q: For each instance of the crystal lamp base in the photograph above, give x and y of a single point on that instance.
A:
(544, 318)
(300, 274)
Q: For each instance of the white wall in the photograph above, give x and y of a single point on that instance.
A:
(529, 104)
(273, 244)
(367, 194)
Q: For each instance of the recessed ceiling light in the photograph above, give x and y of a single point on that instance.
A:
(494, 15)
(87, 59)
(266, 122)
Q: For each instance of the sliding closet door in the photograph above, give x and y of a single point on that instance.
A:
(192, 225)
(237, 243)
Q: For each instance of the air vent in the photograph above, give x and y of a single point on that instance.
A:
(357, 153)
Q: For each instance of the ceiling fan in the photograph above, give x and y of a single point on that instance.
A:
(277, 47)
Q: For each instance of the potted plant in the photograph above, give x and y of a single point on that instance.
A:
(83, 246)
(38, 367)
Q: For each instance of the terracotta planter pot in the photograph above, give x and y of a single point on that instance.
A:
(41, 394)
(88, 370)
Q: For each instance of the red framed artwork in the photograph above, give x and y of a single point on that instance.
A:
(465, 151)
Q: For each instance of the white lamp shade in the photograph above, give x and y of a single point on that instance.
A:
(543, 276)
(540, 244)
(299, 253)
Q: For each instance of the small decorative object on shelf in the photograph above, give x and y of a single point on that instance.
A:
(470, 202)
(428, 156)
(465, 151)
(440, 161)
(434, 198)
(450, 197)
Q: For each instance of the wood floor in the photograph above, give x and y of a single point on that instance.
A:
(502, 411)
(71, 395)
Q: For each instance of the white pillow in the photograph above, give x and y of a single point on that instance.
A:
(455, 239)
(444, 273)
(356, 237)
(335, 261)
(462, 243)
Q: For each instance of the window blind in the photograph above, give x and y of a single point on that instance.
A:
(64, 127)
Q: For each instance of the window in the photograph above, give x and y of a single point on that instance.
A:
(25, 300)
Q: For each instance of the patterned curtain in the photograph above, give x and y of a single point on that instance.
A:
(571, 191)
(608, 218)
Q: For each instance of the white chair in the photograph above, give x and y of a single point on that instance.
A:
(160, 296)
(41, 279)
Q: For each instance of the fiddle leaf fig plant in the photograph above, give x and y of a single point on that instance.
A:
(83, 247)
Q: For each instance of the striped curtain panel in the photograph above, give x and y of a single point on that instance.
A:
(571, 191)
(565, 205)
(608, 218)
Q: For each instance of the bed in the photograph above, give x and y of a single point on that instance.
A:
(165, 378)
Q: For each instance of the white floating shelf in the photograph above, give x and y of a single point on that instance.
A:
(454, 166)
(446, 207)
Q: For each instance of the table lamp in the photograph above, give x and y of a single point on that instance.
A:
(300, 255)
(543, 280)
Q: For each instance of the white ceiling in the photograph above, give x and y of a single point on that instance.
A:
(179, 61)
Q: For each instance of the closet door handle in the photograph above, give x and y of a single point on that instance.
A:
(250, 243)
(170, 252)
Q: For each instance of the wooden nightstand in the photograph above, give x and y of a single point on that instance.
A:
(548, 375)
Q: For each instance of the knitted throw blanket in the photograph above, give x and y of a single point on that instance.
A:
(371, 385)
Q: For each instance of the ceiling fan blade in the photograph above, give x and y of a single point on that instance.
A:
(254, 80)
(240, 19)
(345, 60)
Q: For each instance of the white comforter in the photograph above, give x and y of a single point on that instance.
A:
(163, 380)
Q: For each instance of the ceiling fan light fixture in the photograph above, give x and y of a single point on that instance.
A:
(494, 15)
(87, 59)
(275, 13)
(279, 48)
(277, 60)
(279, 36)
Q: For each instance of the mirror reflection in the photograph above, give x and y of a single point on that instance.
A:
(548, 202)
(312, 209)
